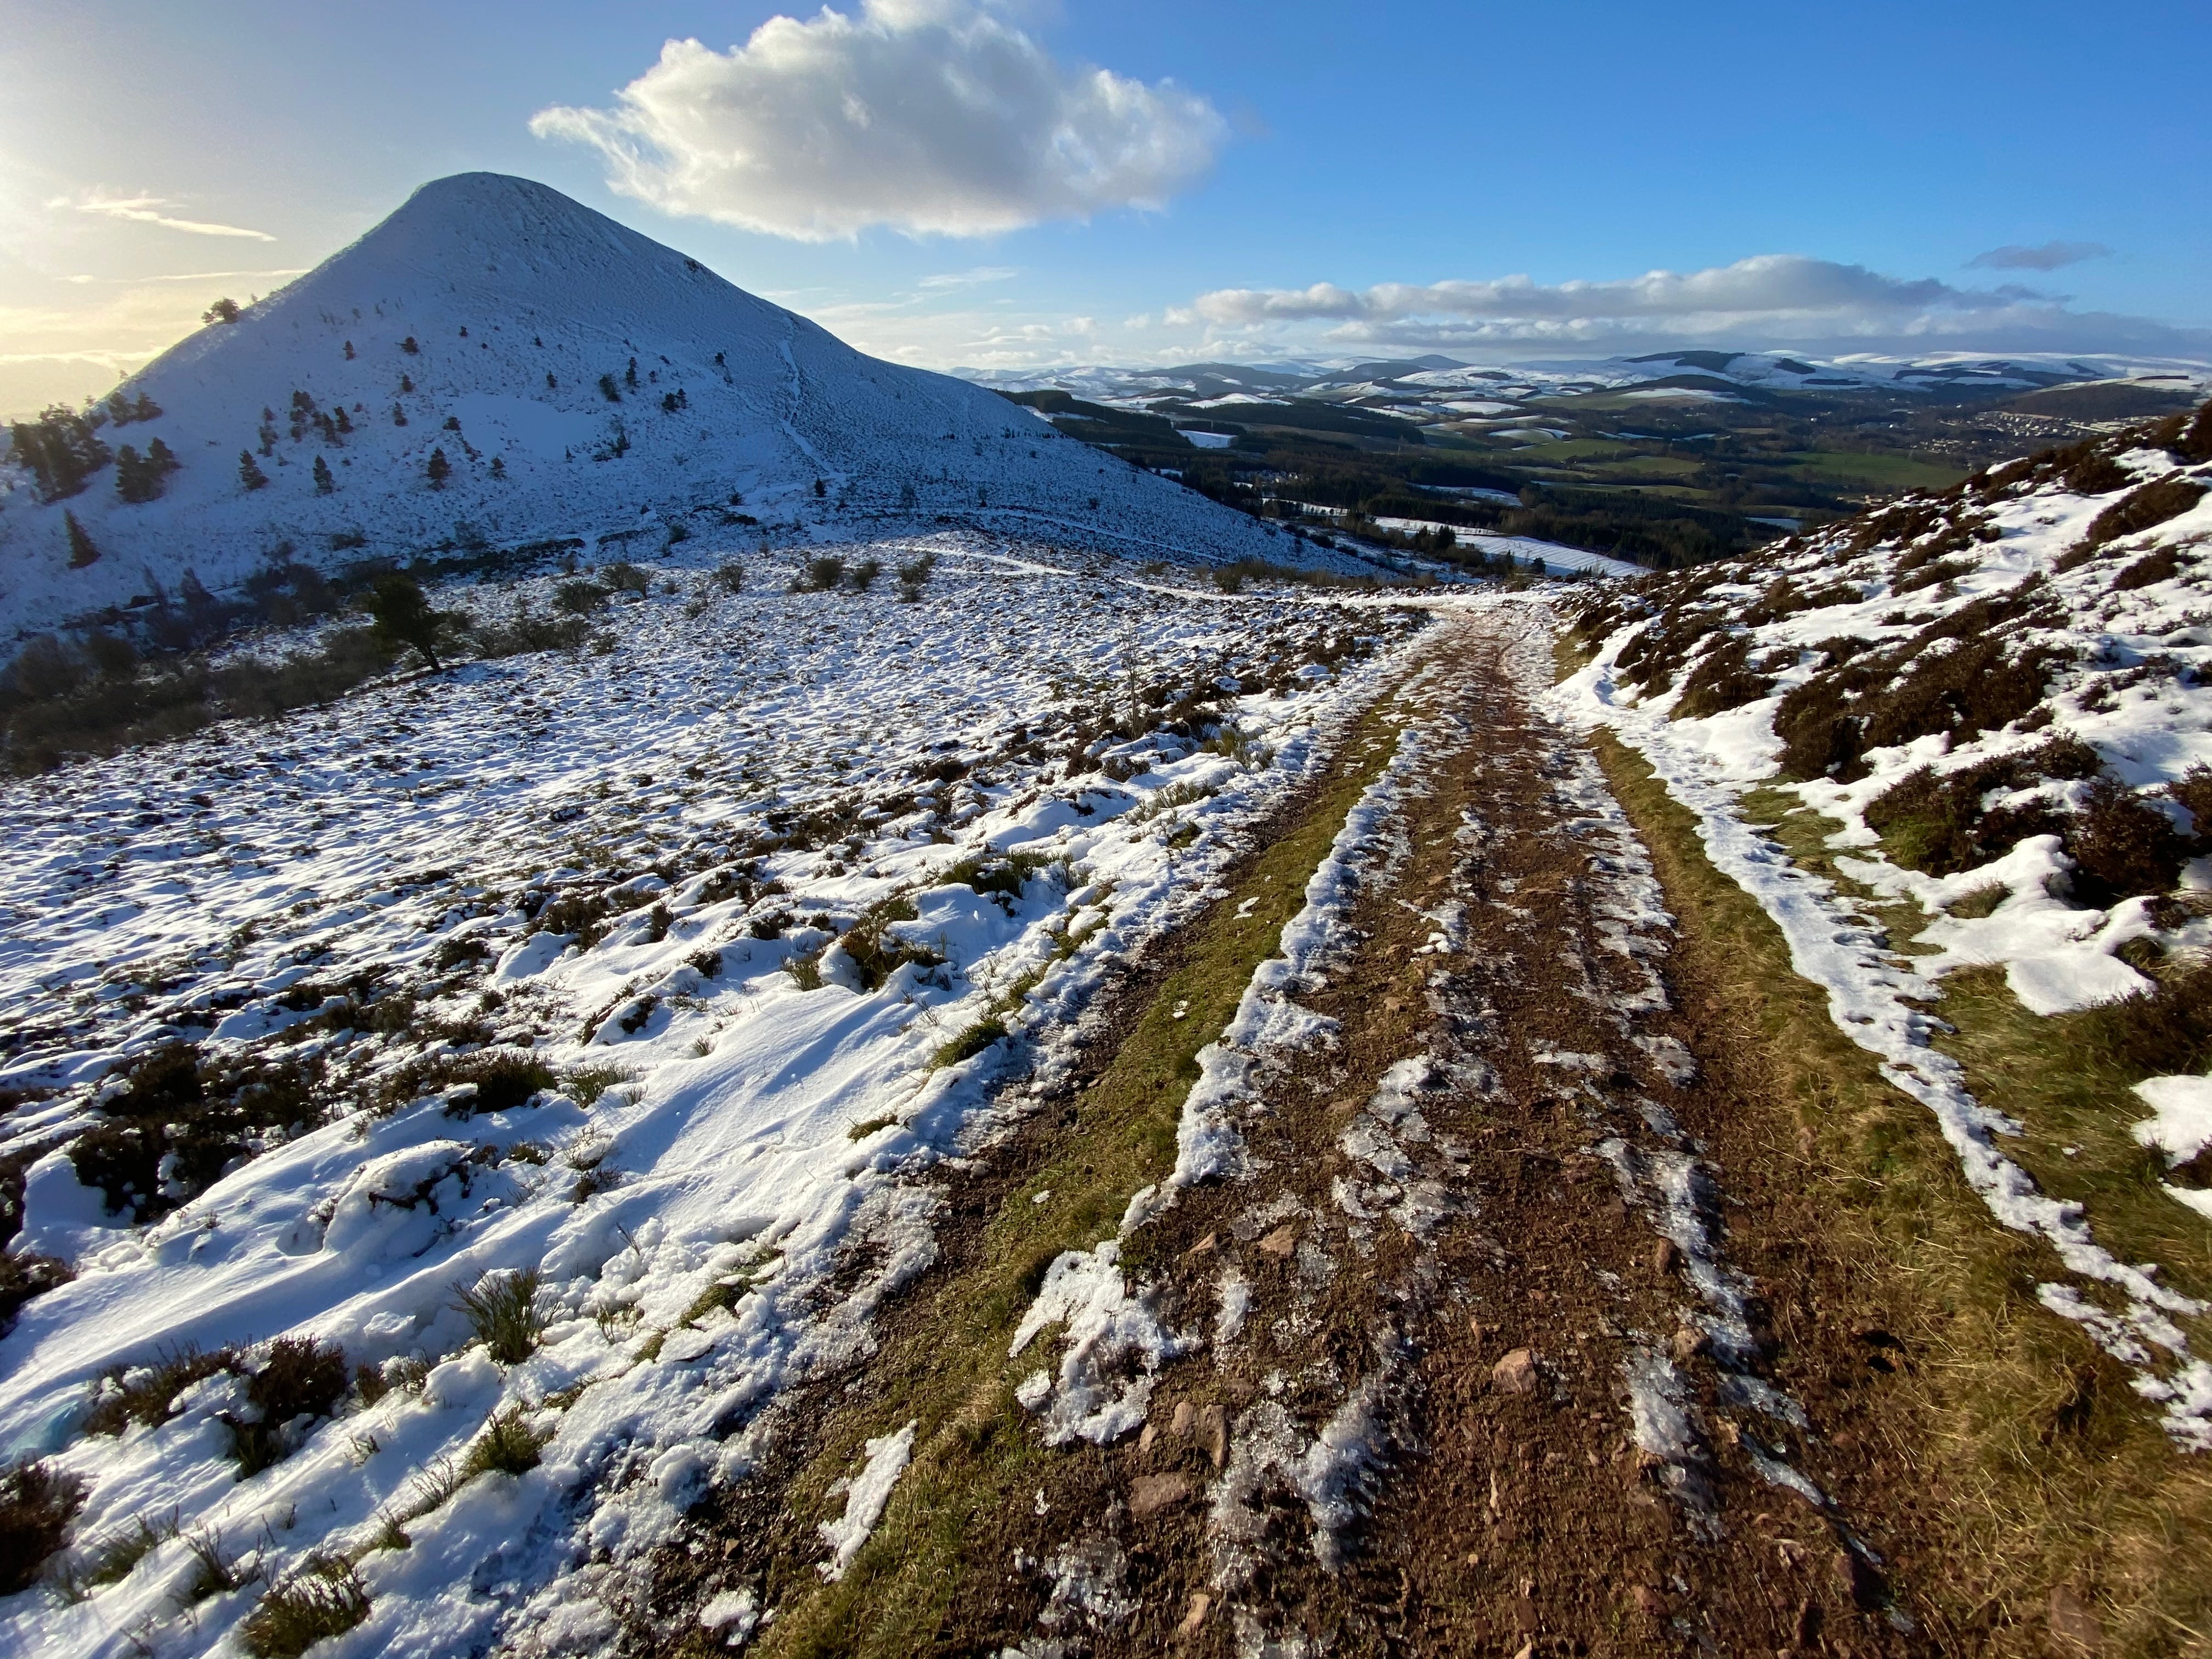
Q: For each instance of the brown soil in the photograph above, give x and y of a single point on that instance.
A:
(1424, 1437)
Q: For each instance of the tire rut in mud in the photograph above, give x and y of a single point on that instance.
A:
(1486, 1366)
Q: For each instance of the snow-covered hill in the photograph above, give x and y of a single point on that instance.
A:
(579, 380)
(2009, 679)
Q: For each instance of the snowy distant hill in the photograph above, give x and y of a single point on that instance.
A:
(579, 380)
(1426, 389)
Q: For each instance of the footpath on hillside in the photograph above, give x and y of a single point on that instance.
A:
(1484, 1318)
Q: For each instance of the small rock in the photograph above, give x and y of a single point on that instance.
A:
(1185, 1418)
(1204, 1245)
(1213, 1433)
(1515, 1373)
(2072, 1621)
(1145, 1440)
(1282, 1241)
(1860, 1581)
(1689, 1343)
(1666, 1258)
(1648, 1600)
(1200, 1604)
(1474, 1329)
(1151, 1493)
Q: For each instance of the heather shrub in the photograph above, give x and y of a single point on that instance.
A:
(36, 1504)
(2123, 845)
(2140, 509)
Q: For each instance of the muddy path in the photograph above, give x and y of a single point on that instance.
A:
(1491, 1320)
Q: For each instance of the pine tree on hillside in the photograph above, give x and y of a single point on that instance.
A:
(406, 384)
(439, 470)
(409, 346)
(609, 390)
(499, 466)
(250, 474)
(81, 550)
(630, 375)
(552, 384)
(342, 424)
(159, 455)
(137, 480)
(349, 350)
(324, 483)
(223, 311)
(61, 449)
(398, 416)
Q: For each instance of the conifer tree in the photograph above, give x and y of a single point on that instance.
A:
(608, 390)
(61, 449)
(349, 350)
(398, 416)
(81, 550)
(223, 311)
(409, 346)
(552, 384)
(135, 481)
(249, 470)
(323, 482)
(630, 375)
(499, 466)
(439, 470)
(159, 455)
(406, 384)
(342, 424)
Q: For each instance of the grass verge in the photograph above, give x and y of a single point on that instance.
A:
(949, 1370)
(2048, 1487)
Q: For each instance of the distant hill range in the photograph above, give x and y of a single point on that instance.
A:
(1434, 391)
(497, 363)
(1667, 458)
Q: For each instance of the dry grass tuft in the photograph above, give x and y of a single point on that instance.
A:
(325, 1599)
(504, 1308)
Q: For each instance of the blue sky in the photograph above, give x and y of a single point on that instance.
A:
(1408, 159)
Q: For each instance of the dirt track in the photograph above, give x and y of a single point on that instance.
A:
(1541, 1351)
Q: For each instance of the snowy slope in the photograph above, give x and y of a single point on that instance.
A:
(2005, 695)
(516, 301)
(629, 888)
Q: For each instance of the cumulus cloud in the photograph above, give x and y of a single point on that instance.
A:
(931, 117)
(146, 210)
(2049, 256)
(1772, 298)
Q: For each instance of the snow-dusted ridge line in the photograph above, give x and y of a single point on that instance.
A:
(2058, 956)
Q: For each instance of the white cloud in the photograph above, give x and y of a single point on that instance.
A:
(144, 210)
(2049, 256)
(969, 278)
(931, 117)
(1772, 298)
